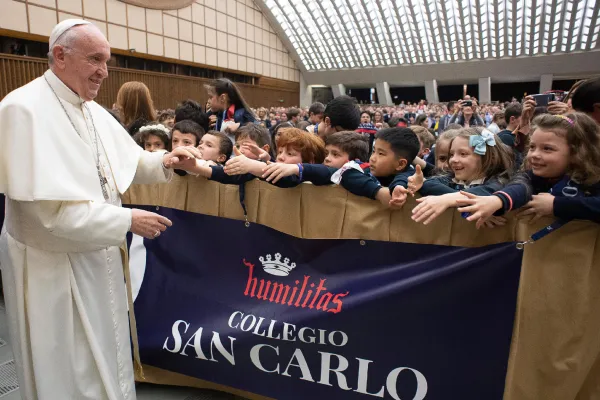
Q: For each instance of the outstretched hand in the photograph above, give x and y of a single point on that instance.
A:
(415, 181)
(182, 158)
(399, 197)
(540, 205)
(430, 207)
(240, 164)
(252, 148)
(481, 208)
(275, 171)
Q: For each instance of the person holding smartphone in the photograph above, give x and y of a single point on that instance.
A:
(465, 114)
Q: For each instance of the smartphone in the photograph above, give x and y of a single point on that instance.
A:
(467, 103)
(543, 99)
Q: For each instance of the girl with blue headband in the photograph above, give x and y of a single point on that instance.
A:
(479, 164)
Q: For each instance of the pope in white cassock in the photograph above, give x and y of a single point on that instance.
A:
(63, 163)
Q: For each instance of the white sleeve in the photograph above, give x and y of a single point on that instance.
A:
(150, 169)
(99, 224)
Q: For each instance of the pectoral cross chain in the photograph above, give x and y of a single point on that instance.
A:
(103, 183)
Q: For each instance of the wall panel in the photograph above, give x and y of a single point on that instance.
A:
(180, 28)
(167, 90)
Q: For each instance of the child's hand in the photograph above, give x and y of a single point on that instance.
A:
(212, 120)
(260, 153)
(181, 158)
(429, 208)
(481, 208)
(399, 197)
(415, 182)
(238, 165)
(232, 128)
(540, 205)
(275, 171)
(558, 108)
(528, 109)
(384, 196)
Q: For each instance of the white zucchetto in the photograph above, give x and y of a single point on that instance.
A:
(64, 26)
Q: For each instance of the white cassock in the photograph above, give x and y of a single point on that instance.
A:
(59, 250)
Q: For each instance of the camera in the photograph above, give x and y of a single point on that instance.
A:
(543, 99)
(467, 103)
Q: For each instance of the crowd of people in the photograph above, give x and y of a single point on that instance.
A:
(483, 159)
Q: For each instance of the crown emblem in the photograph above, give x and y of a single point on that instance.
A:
(276, 266)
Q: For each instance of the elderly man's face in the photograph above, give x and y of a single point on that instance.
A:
(84, 64)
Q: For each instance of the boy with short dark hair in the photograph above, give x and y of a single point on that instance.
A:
(394, 150)
(512, 116)
(315, 117)
(191, 110)
(254, 134)
(426, 139)
(342, 147)
(315, 112)
(216, 146)
(186, 133)
(293, 116)
(341, 114)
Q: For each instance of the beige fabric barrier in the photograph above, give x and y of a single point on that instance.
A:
(555, 353)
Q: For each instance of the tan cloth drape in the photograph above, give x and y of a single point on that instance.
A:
(555, 353)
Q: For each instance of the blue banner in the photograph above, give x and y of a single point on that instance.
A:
(288, 318)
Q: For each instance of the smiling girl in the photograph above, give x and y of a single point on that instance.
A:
(442, 149)
(563, 175)
(479, 164)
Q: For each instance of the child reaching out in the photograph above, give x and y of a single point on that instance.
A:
(562, 179)
(294, 146)
(250, 137)
(216, 147)
(480, 164)
(340, 149)
(186, 133)
(394, 150)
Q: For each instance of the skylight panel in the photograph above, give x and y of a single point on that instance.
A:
(361, 33)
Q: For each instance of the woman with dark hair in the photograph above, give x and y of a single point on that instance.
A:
(467, 115)
(229, 107)
(275, 133)
(422, 120)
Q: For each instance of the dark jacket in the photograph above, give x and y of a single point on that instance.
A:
(517, 143)
(317, 174)
(444, 184)
(239, 115)
(366, 185)
(580, 202)
(460, 119)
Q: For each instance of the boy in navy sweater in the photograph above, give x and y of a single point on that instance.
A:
(394, 150)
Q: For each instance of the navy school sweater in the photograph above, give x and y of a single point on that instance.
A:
(443, 184)
(571, 201)
(366, 185)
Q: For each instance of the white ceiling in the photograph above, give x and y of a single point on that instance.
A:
(358, 34)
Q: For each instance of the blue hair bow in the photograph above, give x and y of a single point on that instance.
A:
(480, 142)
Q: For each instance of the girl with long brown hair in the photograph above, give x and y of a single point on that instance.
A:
(562, 176)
